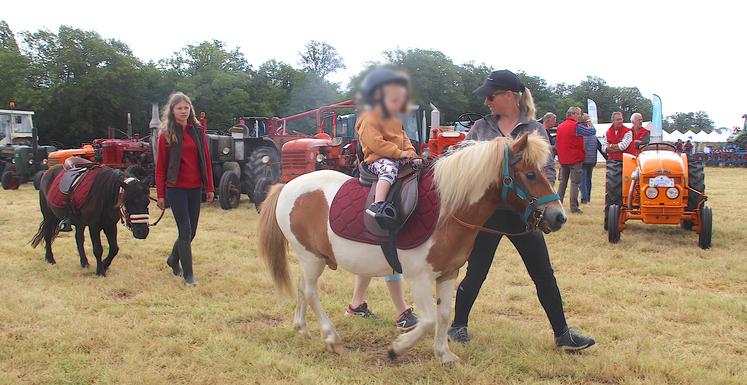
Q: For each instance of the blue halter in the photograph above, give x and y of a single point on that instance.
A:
(510, 185)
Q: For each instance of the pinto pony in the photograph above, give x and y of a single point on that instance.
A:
(114, 195)
(472, 182)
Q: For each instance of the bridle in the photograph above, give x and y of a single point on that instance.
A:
(128, 219)
(533, 214)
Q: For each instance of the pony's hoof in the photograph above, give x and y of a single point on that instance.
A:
(335, 347)
(51, 261)
(84, 265)
(391, 354)
(449, 359)
(302, 330)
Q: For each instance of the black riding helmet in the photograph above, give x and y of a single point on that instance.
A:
(377, 79)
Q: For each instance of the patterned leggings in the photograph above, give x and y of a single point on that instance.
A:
(387, 169)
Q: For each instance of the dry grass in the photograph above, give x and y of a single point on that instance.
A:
(662, 310)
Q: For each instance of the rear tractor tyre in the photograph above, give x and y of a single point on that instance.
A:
(37, 179)
(264, 162)
(613, 187)
(229, 193)
(260, 190)
(706, 227)
(9, 181)
(613, 226)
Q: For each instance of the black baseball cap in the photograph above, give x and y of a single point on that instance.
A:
(503, 80)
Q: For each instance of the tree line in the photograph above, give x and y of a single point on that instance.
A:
(80, 84)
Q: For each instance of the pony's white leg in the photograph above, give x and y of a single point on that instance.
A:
(312, 267)
(299, 320)
(423, 295)
(444, 292)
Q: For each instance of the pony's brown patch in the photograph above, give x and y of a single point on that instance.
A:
(453, 242)
(308, 223)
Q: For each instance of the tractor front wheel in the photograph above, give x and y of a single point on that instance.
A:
(613, 223)
(260, 190)
(37, 179)
(229, 192)
(9, 181)
(706, 227)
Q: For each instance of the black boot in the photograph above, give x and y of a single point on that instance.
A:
(173, 260)
(385, 213)
(185, 257)
(65, 225)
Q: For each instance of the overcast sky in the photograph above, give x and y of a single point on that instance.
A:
(691, 54)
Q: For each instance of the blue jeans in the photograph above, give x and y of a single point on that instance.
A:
(586, 182)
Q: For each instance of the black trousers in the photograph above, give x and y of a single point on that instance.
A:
(533, 251)
(185, 205)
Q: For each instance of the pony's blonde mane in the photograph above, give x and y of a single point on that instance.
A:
(463, 176)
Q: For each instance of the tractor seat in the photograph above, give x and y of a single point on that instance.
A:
(76, 162)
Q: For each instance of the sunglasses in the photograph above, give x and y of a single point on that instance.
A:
(494, 94)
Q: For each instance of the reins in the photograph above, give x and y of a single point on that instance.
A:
(509, 184)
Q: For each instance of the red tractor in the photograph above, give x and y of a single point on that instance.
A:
(335, 145)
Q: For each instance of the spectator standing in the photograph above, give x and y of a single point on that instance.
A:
(678, 145)
(641, 135)
(590, 149)
(688, 147)
(571, 155)
(548, 121)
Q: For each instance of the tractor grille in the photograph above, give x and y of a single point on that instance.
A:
(52, 162)
(293, 159)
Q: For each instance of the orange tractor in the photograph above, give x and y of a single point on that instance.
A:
(659, 186)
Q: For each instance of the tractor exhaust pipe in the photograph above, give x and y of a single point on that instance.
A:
(155, 124)
(634, 179)
(129, 125)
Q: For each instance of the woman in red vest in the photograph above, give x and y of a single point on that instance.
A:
(182, 173)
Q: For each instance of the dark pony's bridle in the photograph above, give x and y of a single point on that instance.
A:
(129, 219)
(533, 214)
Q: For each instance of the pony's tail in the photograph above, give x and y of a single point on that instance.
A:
(273, 246)
(49, 223)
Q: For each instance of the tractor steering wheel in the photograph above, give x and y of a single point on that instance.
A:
(658, 146)
(470, 117)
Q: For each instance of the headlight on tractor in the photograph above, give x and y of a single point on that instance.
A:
(652, 192)
(44, 162)
(320, 158)
(31, 161)
(673, 193)
(266, 159)
(13, 161)
(226, 150)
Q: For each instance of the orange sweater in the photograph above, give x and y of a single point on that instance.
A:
(381, 138)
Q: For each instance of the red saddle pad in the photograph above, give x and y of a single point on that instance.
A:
(348, 208)
(57, 198)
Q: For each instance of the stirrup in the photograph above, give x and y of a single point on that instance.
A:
(388, 217)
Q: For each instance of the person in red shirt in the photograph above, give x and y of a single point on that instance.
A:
(619, 138)
(641, 135)
(182, 173)
(571, 154)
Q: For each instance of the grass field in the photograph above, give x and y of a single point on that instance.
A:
(662, 310)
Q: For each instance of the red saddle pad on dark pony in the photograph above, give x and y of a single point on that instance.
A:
(348, 208)
(57, 198)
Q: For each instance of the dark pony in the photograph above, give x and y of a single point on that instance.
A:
(114, 195)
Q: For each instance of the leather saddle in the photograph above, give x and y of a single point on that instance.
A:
(74, 171)
(403, 194)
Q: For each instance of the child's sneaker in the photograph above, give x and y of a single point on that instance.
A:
(407, 321)
(361, 311)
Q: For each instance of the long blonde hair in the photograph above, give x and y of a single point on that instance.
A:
(168, 120)
(526, 103)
